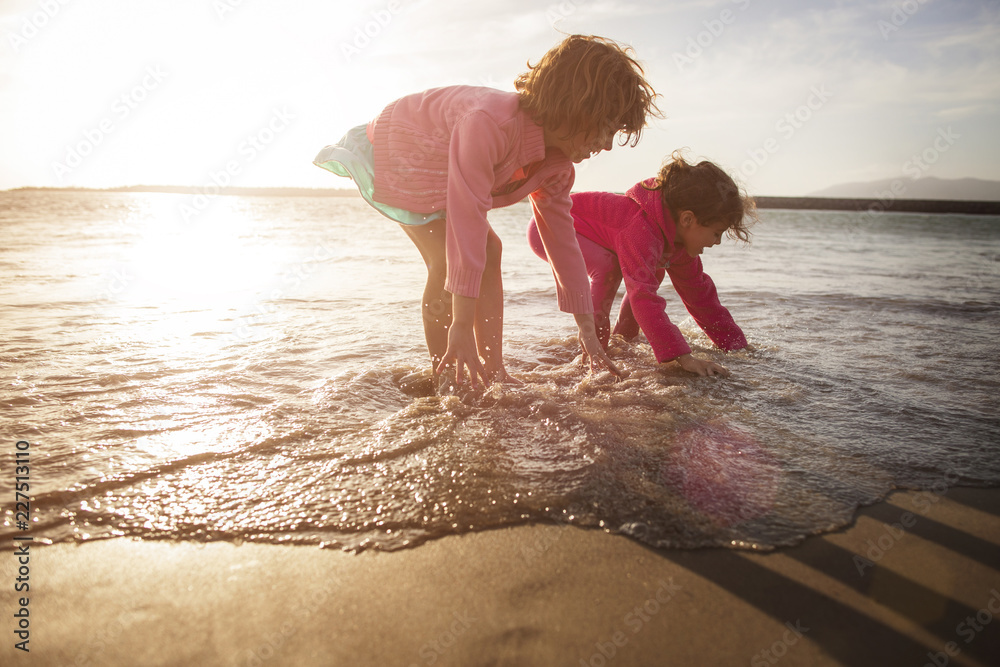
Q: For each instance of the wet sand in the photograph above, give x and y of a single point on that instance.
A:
(915, 580)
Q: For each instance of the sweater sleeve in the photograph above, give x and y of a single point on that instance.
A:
(642, 280)
(701, 299)
(551, 206)
(476, 145)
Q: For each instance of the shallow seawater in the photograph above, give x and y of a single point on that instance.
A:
(236, 375)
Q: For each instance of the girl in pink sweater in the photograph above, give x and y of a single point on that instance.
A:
(660, 227)
(438, 161)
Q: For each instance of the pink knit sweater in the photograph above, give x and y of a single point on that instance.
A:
(637, 228)
(458, 148)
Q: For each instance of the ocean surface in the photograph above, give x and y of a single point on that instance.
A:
(229, 368)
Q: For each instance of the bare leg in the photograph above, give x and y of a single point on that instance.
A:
(489, 313)
(489, 308)
(436, 304)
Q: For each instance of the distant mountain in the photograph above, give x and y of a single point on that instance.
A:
(961, 189)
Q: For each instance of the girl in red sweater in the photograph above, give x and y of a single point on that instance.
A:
(660, 227)
(436, 162)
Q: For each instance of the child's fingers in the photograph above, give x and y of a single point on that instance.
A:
(599, 360)
(467, 368)
(469, 374)
(716, 369)
(604, 362)
(474, 372)
(484, 375)
(443, 365)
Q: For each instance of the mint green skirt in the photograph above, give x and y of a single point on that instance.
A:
(353, 157)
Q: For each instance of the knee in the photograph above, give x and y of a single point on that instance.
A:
(437, 273)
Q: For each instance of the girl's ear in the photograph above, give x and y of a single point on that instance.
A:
(687, 218)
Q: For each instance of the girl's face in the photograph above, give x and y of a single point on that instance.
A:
(695, 237)
(582, 145)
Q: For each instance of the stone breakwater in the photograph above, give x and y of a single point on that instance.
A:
(895, 205)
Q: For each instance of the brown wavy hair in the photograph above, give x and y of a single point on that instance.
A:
(583, 84)
(708, 192)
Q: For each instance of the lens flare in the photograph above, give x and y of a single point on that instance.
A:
(723, 472)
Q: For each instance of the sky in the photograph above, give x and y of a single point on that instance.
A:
(788, 97)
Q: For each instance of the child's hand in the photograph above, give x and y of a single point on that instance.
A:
(462, 347)
(462, 350)
(700, 366)
(592, 348)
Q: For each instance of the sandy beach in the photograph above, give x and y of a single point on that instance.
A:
(914, 581)
(238, 236)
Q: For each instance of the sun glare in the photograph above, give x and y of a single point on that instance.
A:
(205, 275)
(207, 262)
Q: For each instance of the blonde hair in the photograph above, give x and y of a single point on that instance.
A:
(586, 83)
(708, 192)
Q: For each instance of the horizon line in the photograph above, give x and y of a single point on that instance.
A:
(803, 202)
